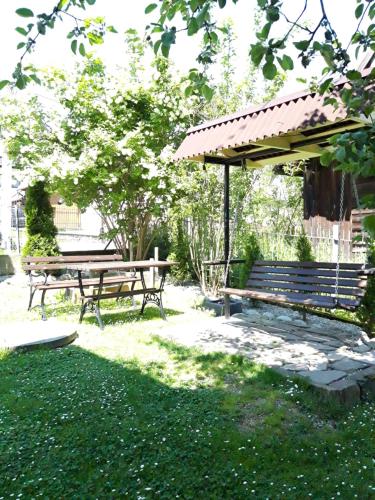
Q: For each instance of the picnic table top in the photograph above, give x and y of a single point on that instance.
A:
(121, 266)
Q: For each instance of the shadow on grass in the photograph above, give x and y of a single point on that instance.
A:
(75, 424)
(130, 316)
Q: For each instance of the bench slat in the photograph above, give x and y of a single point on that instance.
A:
(312, 265)
(305, 287)
(305, 272)
(72, 258)
(293, 298)
(308, 279)
(114, 295)
(113, 280)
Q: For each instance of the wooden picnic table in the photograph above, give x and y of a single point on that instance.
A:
(150, 294)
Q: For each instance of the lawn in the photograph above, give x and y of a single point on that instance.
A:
(127, 413)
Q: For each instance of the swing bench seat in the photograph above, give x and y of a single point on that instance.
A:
(308, 284)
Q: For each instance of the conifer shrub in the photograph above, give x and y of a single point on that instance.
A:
(252, 252)
(40, 228)
(304, 249)
(180, 253)
(366, 311)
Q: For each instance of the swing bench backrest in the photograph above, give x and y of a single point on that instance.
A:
(306, 283)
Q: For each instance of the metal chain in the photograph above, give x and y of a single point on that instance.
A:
(341, 215)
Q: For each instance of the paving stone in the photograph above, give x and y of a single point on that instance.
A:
(348, 365)
(284, 318)
(345, 392)
(296, 367)
(362, 348)
(268, 316)
(335, 356)
(320, 365)
(300, 322)
(323, 377)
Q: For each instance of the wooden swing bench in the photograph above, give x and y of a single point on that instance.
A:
(307, 284)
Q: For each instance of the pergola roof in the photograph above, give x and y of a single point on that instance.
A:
(293, 127)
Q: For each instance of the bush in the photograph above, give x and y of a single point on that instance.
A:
(304, 250)
(41, 231)
(366, 312)
(252, 253)
(180, 253)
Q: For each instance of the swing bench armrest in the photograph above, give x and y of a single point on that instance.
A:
(368, 272)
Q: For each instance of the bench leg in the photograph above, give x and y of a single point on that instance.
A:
(98, 316)
(156, 299)
(227, 306)
(32, 293)
(42, 306)
(83, 310)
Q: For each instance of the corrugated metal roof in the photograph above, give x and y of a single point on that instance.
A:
(281, 116)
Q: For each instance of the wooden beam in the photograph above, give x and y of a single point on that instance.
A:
(275, 142)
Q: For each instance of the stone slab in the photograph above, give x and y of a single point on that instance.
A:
(348, 365)
(323, 377)
(346, 392)
(35, 334)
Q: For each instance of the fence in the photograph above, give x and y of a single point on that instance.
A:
(66, 218)
(277, 246)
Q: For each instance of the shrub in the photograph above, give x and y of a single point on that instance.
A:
(252, 253)
(41, 231)
(304, 250)
(180, 253)
(366, 312)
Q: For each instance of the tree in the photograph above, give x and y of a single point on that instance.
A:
(40, 228)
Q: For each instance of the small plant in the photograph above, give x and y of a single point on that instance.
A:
(304, 249)
(366, 312)
(41, 230)
(252, 253)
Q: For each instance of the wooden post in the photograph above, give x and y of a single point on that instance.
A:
(156, 258)
(226, 221)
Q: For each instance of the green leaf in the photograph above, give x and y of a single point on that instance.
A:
(82, 49)
(112, 29)
(188, 91)
(301, 45)
(286, 62)
(263, 35)
(369, 225)
(151, 7)
(91, 2)
(20, 45)
(193, 26)
(165, 50)
(35, 79)
(269, 71)
(359, 10)
(340, 154)
(222, 3)
(21, 31)
(23, 12)
(257, 52)
(353, 75)
(21, 82)
(326, 158)
(73, 46)
(41, 28)
(157, 46)
(207, 92)
(4, 83)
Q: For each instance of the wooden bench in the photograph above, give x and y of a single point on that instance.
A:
(47, 267)
(308, 284)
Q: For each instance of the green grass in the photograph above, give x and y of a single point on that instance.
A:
(127, 413)
(147, 418)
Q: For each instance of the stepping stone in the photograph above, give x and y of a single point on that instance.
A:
(347, 364)
(362, 348)
(296, 367)
(33, 334)
(323, 377)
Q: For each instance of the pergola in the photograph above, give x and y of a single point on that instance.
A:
(294, 127)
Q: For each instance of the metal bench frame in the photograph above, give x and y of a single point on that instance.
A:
(37, 267)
